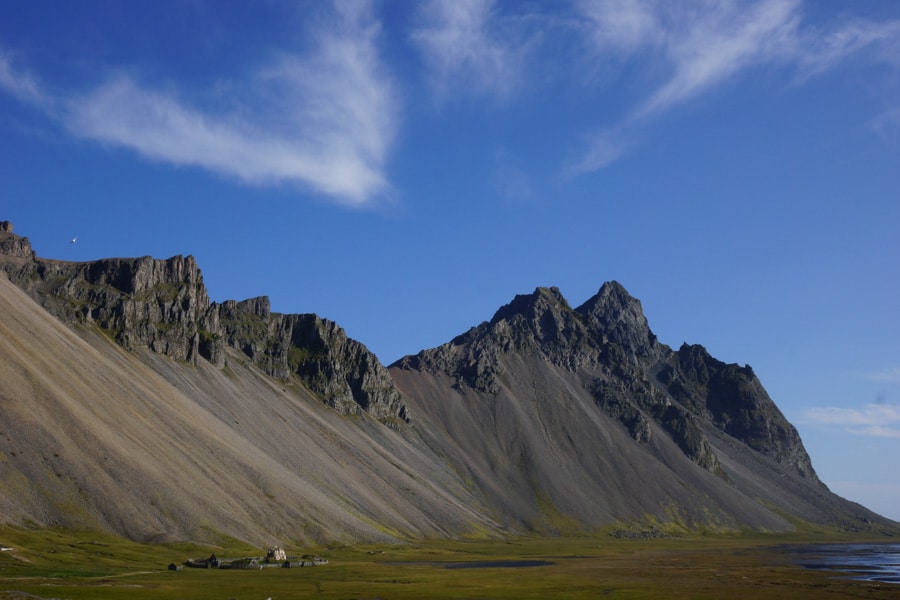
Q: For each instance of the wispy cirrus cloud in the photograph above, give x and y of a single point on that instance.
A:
(18, 84)
(885, 375)
(821, 49)
(603, 149)
(324, 120)
(873, 420)
(709, 46)
(887, 124)
(327, 119)
(701, 44)
(465, 49)
(621, 27)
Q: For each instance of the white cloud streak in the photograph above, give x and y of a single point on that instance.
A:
(705, 43)
(872, 420)
(462, 51)
(603, 149)
(324, 121)
(885, 376)
(709, 46)
(887, 124)
(19, 85)
(621, 27)
(820, 51)
(328, 120)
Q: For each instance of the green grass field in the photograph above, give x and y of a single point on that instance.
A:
(74, 565)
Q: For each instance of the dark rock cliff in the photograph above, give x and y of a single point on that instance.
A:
(12, 245)
(341, 370)
(160, 304)
(734, 400)
(163, 305)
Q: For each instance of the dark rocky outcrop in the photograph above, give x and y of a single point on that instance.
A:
(732, 397)
(342, 371)
(616, 319)
(540, 324)
(12, 245)
(163, 305)
(160, 304)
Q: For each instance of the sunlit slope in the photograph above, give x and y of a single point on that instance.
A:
(94, 436)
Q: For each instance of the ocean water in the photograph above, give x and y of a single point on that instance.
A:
(868, 562)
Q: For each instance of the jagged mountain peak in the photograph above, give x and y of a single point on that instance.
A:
(543, 323)
(611, 315)
(531, 306)
(611, 299)
(616, 316)
(538, 323)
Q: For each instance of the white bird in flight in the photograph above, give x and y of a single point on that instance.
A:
(74, 240)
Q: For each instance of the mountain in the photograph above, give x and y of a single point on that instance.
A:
(581, 417)
(131, 403)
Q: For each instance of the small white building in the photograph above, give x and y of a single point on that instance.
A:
(276, 553)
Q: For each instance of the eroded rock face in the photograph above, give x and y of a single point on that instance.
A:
(539, 324)
(342, 371)
(615, 317)
(733, 398)
(12, 245)
(160, 304)
(163, 305)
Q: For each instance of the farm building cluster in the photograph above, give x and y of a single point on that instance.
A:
(275, 557)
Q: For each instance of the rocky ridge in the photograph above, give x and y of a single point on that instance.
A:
(12, 245)
(347, 376)
(163, 305)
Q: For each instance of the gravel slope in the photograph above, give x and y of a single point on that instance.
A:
(94, 436)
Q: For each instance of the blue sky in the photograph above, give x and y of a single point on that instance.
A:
(405, 168)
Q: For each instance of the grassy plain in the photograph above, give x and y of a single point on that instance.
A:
(71, 565)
